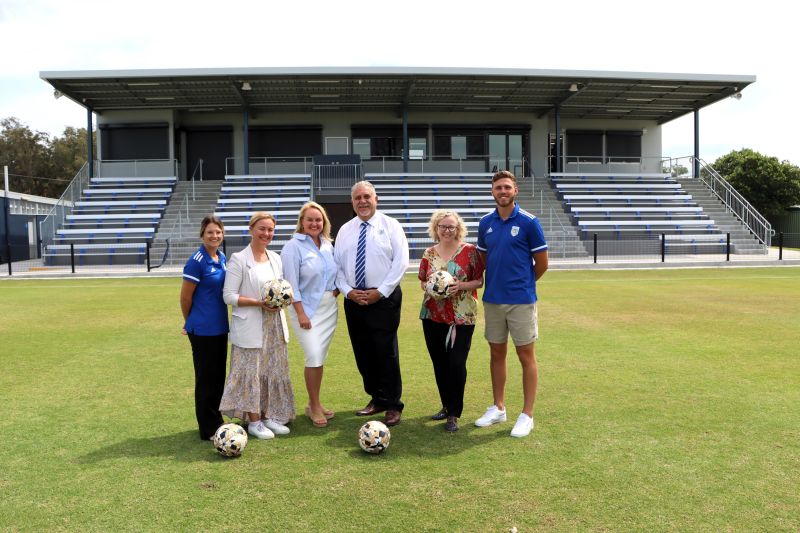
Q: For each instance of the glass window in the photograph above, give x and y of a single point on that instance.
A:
(458, 147)
(417, 148)
(362, 147)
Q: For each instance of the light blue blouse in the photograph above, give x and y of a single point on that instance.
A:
(311, 271)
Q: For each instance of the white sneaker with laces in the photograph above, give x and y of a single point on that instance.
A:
(523, 426)
(275, 427)
(259, 430)
(493, 415)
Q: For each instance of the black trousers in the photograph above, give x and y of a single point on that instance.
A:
(373, 334)
(210, 355)
(449, 363)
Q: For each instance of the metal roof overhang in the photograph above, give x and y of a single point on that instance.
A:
(659, 97)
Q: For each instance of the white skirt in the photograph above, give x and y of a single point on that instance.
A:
(315, 341)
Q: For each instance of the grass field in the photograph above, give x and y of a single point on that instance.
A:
(668, 401)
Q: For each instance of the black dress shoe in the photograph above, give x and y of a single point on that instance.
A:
(451, 425)
(370, 409)
(441, 415)
(392, 418)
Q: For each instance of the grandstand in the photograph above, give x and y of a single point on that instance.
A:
(174, 145)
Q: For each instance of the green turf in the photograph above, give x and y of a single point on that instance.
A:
(668, 401)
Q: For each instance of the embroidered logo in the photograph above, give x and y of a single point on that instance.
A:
(213, 270)
(514, 231)
(488, 231)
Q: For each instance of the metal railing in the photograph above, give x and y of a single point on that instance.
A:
(473, 163)
(599, 163)
(64, 206)
(339, 176)
(268, 165)
(125, 168)
(736, 204)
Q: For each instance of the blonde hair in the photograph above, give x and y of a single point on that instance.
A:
(326, 223)
(260, 215)
(438, 215)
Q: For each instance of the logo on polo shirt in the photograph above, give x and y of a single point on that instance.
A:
(514, 231)
(212, 270)
(488, 231)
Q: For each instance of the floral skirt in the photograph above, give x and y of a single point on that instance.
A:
(259, 380)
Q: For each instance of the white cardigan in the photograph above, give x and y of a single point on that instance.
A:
(241, 280)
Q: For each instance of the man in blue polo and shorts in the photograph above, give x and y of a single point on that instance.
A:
(515, 253)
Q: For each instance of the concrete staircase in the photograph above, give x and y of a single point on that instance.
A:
(742, 240)
(562, 236)
(181, 220)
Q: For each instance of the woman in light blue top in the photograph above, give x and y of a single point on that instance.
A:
(309, 267)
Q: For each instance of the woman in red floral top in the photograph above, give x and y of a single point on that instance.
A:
(448, 324)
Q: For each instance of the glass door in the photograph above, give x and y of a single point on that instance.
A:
(506, 153)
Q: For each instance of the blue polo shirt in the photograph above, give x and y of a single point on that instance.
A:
(508, 245)
(209, 314)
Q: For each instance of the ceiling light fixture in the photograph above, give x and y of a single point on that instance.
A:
(573, 88)
(246, 86)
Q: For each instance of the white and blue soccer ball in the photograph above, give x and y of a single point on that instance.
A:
(277, 293)
(374, 437)
(230, 440)
(439, 284)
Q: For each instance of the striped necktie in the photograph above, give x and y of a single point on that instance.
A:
(361, 258)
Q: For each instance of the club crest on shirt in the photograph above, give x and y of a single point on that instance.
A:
(514, 231)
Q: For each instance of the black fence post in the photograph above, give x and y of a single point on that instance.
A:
(224, 248)
(663, 246)
(594, 238)
(728, 247)
(780, 246)
(72, 256)
(147, 254)
(8, 252)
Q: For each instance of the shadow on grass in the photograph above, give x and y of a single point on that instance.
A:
(184, 446)
(417, 437)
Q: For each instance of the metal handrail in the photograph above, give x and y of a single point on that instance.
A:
(134, 164)
(64, 206)
(230, 163)
(737, 204)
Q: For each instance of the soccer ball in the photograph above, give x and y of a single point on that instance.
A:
(438, 284)
(277, 293)
(230, 440)
(374, 437)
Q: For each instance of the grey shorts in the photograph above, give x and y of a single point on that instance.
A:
(517, 319)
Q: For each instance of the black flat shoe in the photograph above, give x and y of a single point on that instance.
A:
(441, 415)
(451, 425)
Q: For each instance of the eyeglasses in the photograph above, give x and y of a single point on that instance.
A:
(446, 228)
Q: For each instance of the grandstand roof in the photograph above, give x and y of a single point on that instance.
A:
(579, 93)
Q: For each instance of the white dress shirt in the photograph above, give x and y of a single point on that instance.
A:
(387, 254)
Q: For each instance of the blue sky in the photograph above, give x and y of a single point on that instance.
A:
(679, 36)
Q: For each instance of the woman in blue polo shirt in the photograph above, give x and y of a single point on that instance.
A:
(206, 323)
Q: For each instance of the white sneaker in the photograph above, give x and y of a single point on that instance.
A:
(523, 426)
(277, 428)
(493, 415)
(259, 430)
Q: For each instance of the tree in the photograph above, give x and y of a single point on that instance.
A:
(38, 164)
(771, 186)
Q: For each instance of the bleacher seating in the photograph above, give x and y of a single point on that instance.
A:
(634, 206)
(113, 221)
(282, 195)
(412, 198)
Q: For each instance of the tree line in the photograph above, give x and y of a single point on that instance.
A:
(37, 163)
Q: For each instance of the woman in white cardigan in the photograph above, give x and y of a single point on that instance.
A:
(259, 388)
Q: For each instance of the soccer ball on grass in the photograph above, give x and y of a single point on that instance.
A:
(230, 440)
(374, 437)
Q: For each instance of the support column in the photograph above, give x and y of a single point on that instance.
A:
(558, 139)
(89, 147)
(246, 140)
(696, 169)
(405, 139)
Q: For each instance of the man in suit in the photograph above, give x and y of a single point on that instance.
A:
(371, 252)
